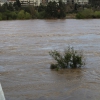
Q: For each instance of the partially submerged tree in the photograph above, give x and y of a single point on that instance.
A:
(69, 59)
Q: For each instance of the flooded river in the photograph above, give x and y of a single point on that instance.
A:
(25, 61)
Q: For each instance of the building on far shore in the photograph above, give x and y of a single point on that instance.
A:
(6, 1)
(2, 2)
(82, 2)
(30, 2)
(11, 1)
(38, 2)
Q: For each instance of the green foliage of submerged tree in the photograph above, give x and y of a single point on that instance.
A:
(69, 59)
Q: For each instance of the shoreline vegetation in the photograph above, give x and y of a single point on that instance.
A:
(52, 10)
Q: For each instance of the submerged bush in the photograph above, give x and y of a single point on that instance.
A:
(69, 59)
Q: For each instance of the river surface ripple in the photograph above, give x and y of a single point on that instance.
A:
(25, 61)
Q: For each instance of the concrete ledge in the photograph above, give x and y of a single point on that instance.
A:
(2, 97)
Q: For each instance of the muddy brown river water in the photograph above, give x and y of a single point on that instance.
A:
(25, 61)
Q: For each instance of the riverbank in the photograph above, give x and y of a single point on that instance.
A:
(71, 16)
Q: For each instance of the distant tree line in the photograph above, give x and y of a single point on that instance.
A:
(53, 9)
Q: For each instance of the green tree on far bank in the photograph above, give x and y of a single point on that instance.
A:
(55, 10)
(61, 10)
(17, 5)
(24, 15)
(51, 10)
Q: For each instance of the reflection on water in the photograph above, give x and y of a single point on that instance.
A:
(24, 59)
